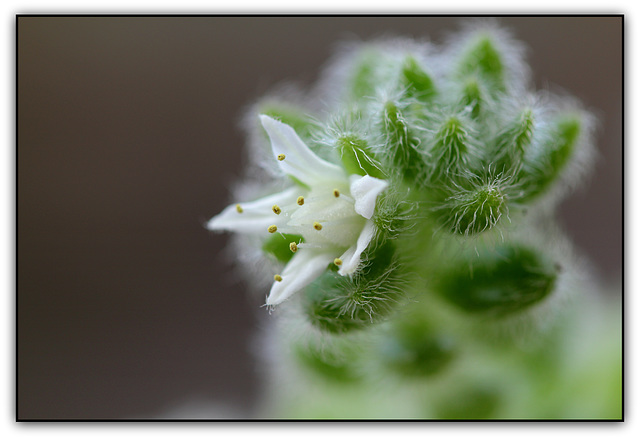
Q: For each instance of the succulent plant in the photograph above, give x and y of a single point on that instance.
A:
(405, 208)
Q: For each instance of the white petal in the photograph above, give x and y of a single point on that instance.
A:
(365, 191)
(299, 161)
(305, 266)
(351, 258)
(256, 216)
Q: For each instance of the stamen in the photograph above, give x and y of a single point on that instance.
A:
(281, 157)
(317, 225)
(336, 193)
(293, 247)
(272, 229)
(239, 208)
(277, 278)
(276, 209)
(337, 261)
(300, 200)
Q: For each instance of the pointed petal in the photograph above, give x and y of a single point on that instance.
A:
(365, 191)
(299, 162)
(305, 266)
(256, 216)
(351, 258)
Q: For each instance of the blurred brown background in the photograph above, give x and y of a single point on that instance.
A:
(127, 142)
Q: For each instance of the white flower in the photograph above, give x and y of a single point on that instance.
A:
(332, 213)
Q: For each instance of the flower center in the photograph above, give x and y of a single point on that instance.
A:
(323, 219)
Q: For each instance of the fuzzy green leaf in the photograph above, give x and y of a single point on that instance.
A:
(339, 304)
(415, 349)
(512, 142)
(473, 96)
(364, 81)
(417, 82)
(473, 211)
(450, 152)
(401, 143)
(484, 59)
(541, 171)
(508, 279)
(357, 158)
(332, 366)
(469, 401)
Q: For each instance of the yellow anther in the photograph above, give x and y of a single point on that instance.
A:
(239, 208)
(272, 229)
(337, 261)
(336, 193)
(300, 200)
(277, 278)
(281, 157)
(293, 247)
(276, 209)
(317, 225)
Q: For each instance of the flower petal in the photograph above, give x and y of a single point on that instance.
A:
(365, 191)
(299, 161)
(351, 258)
(256, 215)
(305, 266)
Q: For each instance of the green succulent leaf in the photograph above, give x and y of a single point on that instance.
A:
(417, 82)
(541, 170)
(484, 59)
(506, 280)
(357, 158)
